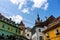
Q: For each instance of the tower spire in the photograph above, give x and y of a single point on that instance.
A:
(38, 21)
(38, 17)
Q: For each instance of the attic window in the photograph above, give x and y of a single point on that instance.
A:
(47, 35)
(57, 32)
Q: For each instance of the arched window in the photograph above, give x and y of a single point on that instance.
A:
(27, 34)
(39, 30)
(3, 26)
(41, 38)
(8, 28)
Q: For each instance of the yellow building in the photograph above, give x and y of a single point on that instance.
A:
(53, 30)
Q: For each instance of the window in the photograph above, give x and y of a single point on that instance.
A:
(3, 26)
(7, 36)
(11, 29)
(8, 28)
(41, 38)
(47, 35)
(27, 34)
(19, 31)
(39, 30)
(57, 31)
(0, 17)
(2, 34)
(16, 30)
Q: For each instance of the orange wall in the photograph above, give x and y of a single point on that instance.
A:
(52, 34)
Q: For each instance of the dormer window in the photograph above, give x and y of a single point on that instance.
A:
(47, 35)
(57, 32)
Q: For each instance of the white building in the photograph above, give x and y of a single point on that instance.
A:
(39, 27)
(28, 33)
(37, 30)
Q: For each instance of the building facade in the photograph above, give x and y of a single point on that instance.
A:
(28, 33)
(9, 30)
(39, 27)
(53, 30)
(25, 31)
(37, 30)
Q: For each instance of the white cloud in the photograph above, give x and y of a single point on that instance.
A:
(16, 18)
(25, 10)
(39, 3)
(20, 3)
(14, 1)
(46, 6)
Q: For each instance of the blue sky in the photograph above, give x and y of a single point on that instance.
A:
(27, 10)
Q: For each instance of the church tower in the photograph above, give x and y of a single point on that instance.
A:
(37, 29)
(38, 21)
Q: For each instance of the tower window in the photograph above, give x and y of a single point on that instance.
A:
(27, 34)
(41, 38)
(39, 30)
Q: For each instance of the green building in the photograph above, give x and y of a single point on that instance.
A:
(9, 30)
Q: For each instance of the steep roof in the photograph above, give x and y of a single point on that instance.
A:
(45, 23)
(54, 24)
(21, 23)
(2, 16)
(49, 20)
(38, 22)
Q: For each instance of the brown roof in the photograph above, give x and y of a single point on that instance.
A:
(2, 15)
(22, 26)
(45, 23)
(50, 28)
(21, 23)
(53, 25)
(49, 20)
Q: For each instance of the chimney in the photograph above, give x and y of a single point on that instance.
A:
(0, 13)
(45, 17)
(10, 20)
(3, 19)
